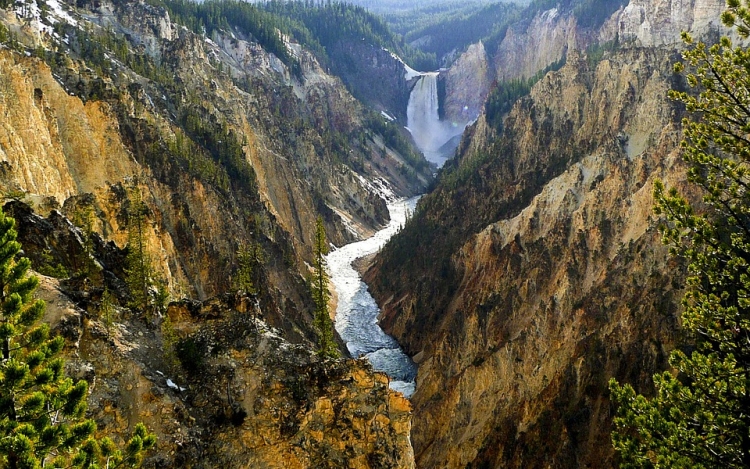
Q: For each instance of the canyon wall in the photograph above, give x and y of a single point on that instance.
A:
(655, 23)
(374, 75)
(72, 130)
(541, 40)
(467, 84)
(531, 46)
(228, 149)
(535, 271)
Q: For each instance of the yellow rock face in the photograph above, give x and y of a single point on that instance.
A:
(256, 400)
(53, 144)
(564, 286)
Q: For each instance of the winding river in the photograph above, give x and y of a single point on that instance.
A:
(357, 313)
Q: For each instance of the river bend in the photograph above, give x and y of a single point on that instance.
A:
(357, 313)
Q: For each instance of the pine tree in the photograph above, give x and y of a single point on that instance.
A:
(700, 415)
(139, 271)
(247, 257)
(107, 310)
(321, 296)
(83, 218)
(41, 409)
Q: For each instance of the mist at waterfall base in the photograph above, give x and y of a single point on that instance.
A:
(357, 313)
(436, 139)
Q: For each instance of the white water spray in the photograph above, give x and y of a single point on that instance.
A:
(435, 138)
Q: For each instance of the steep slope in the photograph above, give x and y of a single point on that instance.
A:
(466, 84)
(215, 383)
(104, 103)
(532, 45)
(534, 272)
(547, 31)
(254, 401)
(225, 144)
(539, 38)
(357, 46)
(650, 23)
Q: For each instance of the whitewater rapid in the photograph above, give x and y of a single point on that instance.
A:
(357, 313)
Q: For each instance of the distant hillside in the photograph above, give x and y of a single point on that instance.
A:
(316, 26)
(334, 22)
(447, 29)
(347, 41)
(396, 6)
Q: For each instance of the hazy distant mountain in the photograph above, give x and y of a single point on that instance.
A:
(392, 6)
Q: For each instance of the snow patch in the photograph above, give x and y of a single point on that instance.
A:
(59, 14)
(379, 186)
(171, 385)
(410, 73)
(55, 14)
(550, 15)
(346, 220)
(387, 116)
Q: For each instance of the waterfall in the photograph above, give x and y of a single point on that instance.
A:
(435, 138)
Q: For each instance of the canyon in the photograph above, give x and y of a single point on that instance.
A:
(534, 272)
(528, 316)
(81, 131)
(529, 274)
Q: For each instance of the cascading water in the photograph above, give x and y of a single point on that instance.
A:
(357, 313)
(435, 138)
(423, 111)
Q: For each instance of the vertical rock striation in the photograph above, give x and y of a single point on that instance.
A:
(656, 23)
(86, 128)
(530, 47)
(537, 273)
(467, 84)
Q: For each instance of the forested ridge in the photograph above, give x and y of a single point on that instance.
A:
(209, 148)
(226, 15)
(443, 29)
(315, 25)
(448, 28)
(425, 37)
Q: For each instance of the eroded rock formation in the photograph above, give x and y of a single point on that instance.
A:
(467, 83)
(537, 272)
(226, 147)
(250, 399)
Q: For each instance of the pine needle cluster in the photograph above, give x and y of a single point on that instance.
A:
(42, 410)
(700, 415)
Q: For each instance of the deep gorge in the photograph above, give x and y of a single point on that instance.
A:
(529, 274)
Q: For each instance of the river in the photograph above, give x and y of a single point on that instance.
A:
(357, 313)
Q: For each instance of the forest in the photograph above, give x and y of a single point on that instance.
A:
(387, 7)
(316, 26)
(447, 29)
